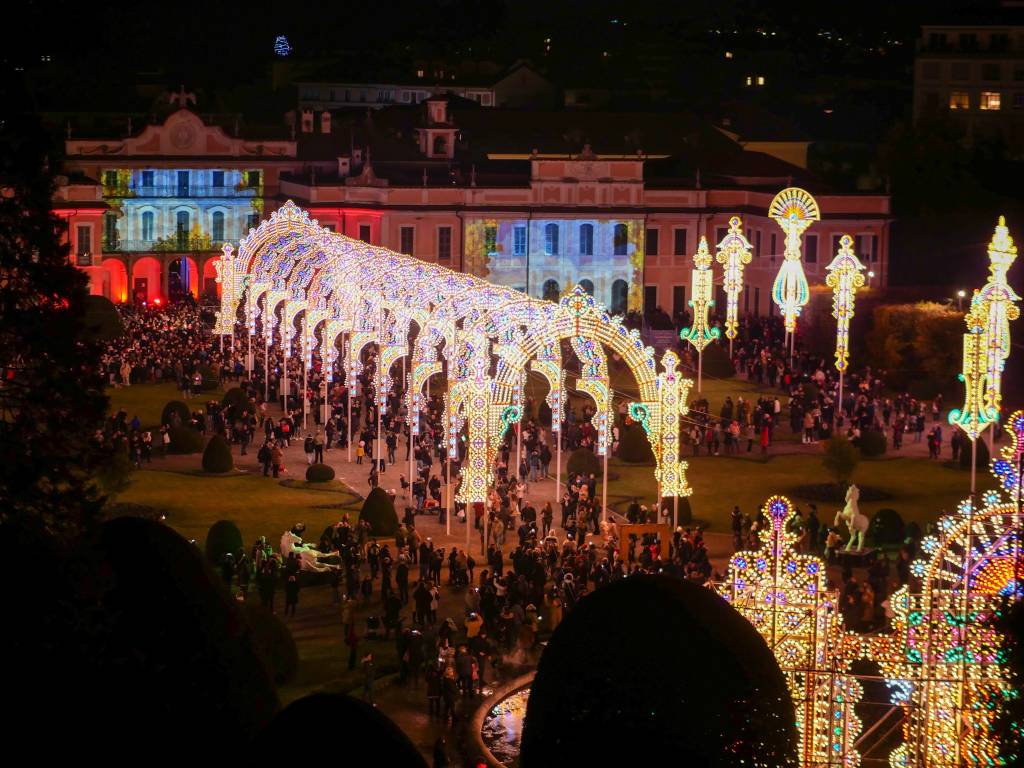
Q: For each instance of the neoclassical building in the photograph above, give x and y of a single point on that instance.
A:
(537, 201)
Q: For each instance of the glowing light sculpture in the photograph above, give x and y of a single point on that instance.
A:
(845, 277)
(786, 596)
(794, 210)
(944, 659)
(976, 415)
(700, 334)
(733, 254)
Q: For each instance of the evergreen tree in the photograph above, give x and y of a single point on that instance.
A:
(51, 393)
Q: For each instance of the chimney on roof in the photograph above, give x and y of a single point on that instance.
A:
(325, 122)
(307, 121)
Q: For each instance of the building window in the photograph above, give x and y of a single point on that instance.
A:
(252, 221)
(110, 179)
(147, 178)
(750, 80)
(757, 244)
(1018, 100)
(960, 70)
(519, 241)
(147, 225)
(760, 79)
(620, 297)
(1018, 73)
(679, 242)
(866, 248)
(990, 101)
(999, 42)
(491, 240)
(757, 301)
(650, 297)
(651, 243)
(587, 239)
(930, 70)
(110, 231)
(182, 183)
(678, 301)
(551, 239)
(959, 100)
(550, 291)
(252, 178)
(811, 249)
(968, 41)
(181, 228)
(720, 233)
(444, 243)
(83, 240)
(620, 239)
(364, 232)
(218, 179)
(405, 235)
(990, 71)
(217, 227)
(330, 227)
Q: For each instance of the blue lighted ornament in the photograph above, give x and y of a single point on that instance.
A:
(281, 46)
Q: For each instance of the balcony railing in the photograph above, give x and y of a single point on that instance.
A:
(164, 245)
(174, 190)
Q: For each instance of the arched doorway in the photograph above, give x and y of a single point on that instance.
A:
(550, 291)
(211, 288)
(620, 296)
(146, 285)
(118, 276)
(182, 278)
(587, 286)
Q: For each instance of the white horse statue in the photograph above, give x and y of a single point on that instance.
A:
(308, 555)
(855, 521)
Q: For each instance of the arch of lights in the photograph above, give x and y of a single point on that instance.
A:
(302, 288)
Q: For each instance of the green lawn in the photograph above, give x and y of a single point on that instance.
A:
(921, 490)
(147, 401)
(260, 506)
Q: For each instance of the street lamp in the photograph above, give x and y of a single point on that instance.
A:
(871, 276)
(960, 300)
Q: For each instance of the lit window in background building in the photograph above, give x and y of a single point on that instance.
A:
(750, 80)
(959, 100)
(990, 100)
(760, 79)
(728, 54)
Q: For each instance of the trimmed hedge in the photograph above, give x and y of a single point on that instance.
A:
(634, 447)
(872, 443)
(222, 538)
(175, 408)
(237, 398)
(716, 362)
(185, 440)
(319, 473)
(273, 642)
(379, 511)
(585, 461)
(886, 528)
(981, 462)
(217, 457)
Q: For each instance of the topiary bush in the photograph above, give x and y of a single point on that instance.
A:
(211, 378)
(222, 538)
(871, 443)
(185, 440)
(236, 397)
(217, 456)
(841, 458)
(634, 447)
(175, 408)
(319, 473)
(273, 642)
(584, 461)
(716, 362)
(886, 528)
(981, 462)
(379, 511)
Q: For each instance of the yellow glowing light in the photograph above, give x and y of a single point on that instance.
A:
(700, 334)
(794, 210)
(844, 278)
(733, 254)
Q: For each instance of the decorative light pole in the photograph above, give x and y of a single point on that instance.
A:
(733, 254)
(844, 278)
(976, 414)
(699, 334)
(794, 210)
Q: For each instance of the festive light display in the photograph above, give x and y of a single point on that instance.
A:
(733, 254)
(976, 414)
(318, 286)
(794, 210)
(944, 658)
(661, 419)
(997, 303)
(699, 334)
(786, 596)
(845, 276)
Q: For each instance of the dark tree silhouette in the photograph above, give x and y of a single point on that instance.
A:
(660, 670)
